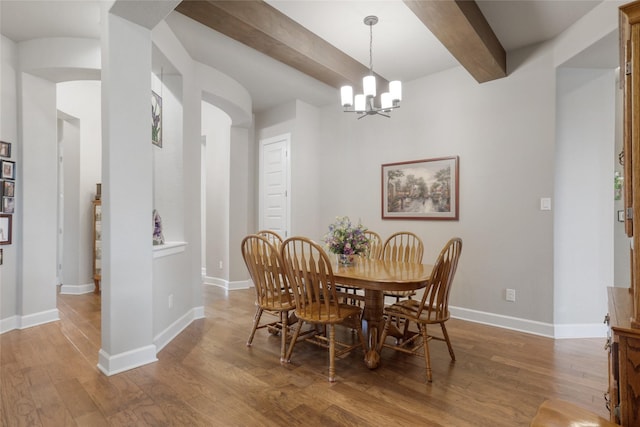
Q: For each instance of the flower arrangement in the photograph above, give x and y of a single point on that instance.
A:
(346, 239)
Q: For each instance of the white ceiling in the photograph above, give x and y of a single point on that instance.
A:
(403, 48)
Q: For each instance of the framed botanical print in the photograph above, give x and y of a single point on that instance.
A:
(156, 119)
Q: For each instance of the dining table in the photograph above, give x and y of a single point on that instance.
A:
(375, 277)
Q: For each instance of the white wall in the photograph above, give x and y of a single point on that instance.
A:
(216, 128)
(36, 189)
(168, 182)
(69, 240)
(584, 193)
(9, 133)
(81, 100)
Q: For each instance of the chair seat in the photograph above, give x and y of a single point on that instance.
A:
(280, 303)
(409, 308)
(311, 314)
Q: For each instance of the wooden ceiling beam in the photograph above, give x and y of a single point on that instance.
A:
(464, 31)
(266, 29)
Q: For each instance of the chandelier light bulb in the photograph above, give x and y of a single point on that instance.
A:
(369, 86)
(395, 87)
(385, 101)
(346, 95)
(360, 104)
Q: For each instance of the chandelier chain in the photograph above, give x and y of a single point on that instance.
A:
(371, 49)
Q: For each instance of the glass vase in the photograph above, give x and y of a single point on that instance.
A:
(346, 260)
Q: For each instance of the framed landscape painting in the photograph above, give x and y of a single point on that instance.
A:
(422, 189)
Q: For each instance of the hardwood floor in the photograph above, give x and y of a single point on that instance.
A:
(208, 377)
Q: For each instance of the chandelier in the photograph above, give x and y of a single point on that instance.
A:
(364, 102)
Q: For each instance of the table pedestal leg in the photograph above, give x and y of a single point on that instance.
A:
(373, 322)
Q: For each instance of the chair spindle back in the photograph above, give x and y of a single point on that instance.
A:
(403, 246)
(310, 275)
(263, 261)
(435, 300)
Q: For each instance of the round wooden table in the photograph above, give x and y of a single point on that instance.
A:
(376, 277)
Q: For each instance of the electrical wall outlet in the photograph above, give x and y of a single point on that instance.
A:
(170, 300)
(220, 265)
(510, 295)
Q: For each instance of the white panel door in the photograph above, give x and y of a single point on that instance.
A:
(274, 184)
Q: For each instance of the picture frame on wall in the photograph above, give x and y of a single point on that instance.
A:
(156, 119)
(8, 205)
(421, 189)
(8, 188)
(5, 149)
(5, 229)
(7, 169)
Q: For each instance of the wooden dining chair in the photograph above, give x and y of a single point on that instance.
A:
(273, 294)
(310, 275)
(375, 244)
(433, 308)
(273, 237)
(403, 246)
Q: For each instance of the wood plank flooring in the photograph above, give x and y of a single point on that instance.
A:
(208, 377)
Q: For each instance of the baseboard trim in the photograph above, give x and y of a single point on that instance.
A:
(8, 324)
(115, 364)
(166, 336)
(77, 289)
(227, 285)
(28, 321)
(587, 330)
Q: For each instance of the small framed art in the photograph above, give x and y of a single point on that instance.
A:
(8, 188)
(7, 169)
(421, 189)
(156, 119)
(8, 205)
(5, 149)
(5, 229)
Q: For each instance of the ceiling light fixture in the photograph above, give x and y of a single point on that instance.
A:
(364, 102)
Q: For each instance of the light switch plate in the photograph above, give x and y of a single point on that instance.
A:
(545, 203)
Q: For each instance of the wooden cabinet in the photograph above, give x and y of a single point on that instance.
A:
(630, 80)
(97, 244)
(624, 360)
(624, 303)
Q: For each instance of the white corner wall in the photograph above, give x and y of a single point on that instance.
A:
(216, 130)
(9, 133)
(36, 189)
(584, 194)
(81, 100)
